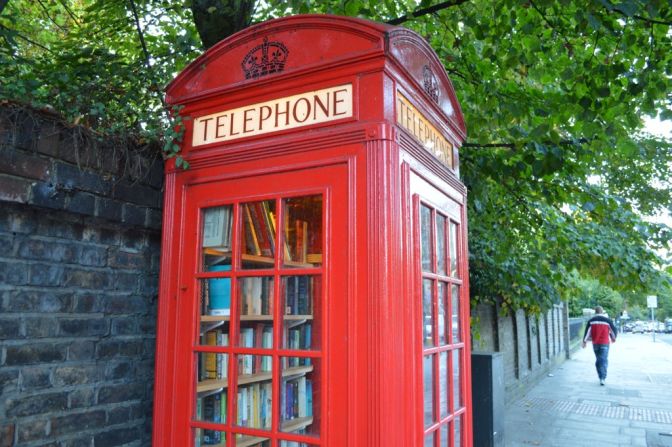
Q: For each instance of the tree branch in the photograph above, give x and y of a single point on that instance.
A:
(642, 18)
(422, 12)
(145, 51)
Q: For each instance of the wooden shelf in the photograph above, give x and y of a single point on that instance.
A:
(296, 424)
(224, 318)
(256, 259)
(244, 379)
(297, 317)
(246, 441)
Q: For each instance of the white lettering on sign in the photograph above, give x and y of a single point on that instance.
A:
(417, 125)
(319, 106)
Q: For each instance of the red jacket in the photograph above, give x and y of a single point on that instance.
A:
(600, 330)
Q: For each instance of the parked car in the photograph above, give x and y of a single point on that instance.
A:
(668, 326)
(639, 327)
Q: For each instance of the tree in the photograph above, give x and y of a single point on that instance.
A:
(554, 94)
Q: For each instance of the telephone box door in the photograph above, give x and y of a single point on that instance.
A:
(263, 276)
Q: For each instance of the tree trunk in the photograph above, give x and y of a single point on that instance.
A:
(217, 19)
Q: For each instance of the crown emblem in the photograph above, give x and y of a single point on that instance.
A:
(430, 84)
(264, 59)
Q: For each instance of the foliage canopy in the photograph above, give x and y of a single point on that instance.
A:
(554, 94)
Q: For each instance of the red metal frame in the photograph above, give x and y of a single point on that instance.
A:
(370, 171)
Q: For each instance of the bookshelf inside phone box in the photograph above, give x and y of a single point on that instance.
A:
(314, 278)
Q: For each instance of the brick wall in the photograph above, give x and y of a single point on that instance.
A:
(79, 231)
(532, 345)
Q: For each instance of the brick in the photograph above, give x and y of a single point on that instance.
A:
(149, 285)
(46, 275)
(60, 226)
(34, 353)
(118, 415)
(10, 328)
(14, 189)
(24, 165)
(124, 304)
(137, 194)
(32, 430)
(48, 138)
(72, 177)
(38, 301)
(119, 436)
(125, 326)
(34, 378)
(6, 435)
(121, 393)
(126, 282)
(154, 219)
(119, 370)
(16, 221)
(47, 195)
(13, 273)
(134, 215)
(36, 404)
(87, 279)
(9, 380)
(109, 209)
(40, 327)
(125, 260)
(81, 203)
(81, 350)
(82, 398)
(93, 256)
(84, 441)
(85, 303)
(112, 348)
(133, 240)
(76, 375)
(101, 235)
(84, 327)
(77, 422)
(40, 249)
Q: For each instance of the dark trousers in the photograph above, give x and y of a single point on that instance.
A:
(601, 360)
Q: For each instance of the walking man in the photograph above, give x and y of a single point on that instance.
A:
(601, 330)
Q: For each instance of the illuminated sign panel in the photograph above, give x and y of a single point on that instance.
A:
(417, 125)
(290, 112)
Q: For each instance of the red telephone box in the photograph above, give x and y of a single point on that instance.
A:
(314, 272)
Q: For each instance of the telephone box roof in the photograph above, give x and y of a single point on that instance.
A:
(297, 45)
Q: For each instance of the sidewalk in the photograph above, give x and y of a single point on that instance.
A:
(569, 408)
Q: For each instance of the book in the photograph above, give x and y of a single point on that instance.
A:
(251, 240)
(217, 227)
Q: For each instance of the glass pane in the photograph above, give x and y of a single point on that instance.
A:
(216, 232)
(455, 313)
(211, 407)
(203, 436)
(254, 402)
(302, 231)
(256, 311)
(453, 250)
(457, 377)
(216, 294)
(442, 313)
(212, 367)
(258, 247)
(426, 238)
(457, 431)
(428, 321)
(443, 384)
(299, 395)
(300, 294)
(428, 385)
(441, 254)
(444, 436)
(429, 439)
